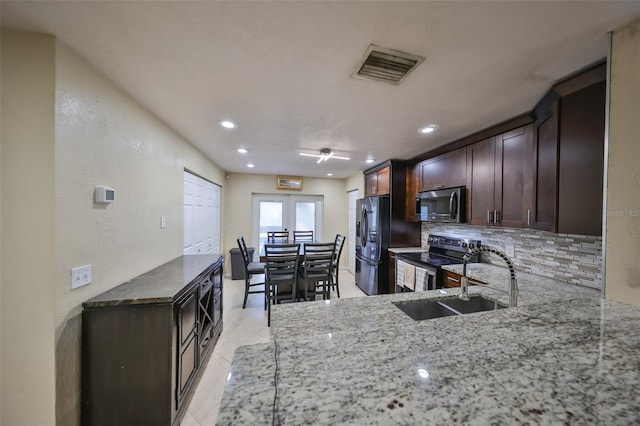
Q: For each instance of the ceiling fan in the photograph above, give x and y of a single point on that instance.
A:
(325, 154)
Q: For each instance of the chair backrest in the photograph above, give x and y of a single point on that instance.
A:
(302, 236)
(338, 250)
(318, 257)
(277, 236)
(282, 261)
(243, 250)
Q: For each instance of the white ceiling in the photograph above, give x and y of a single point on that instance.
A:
(282, 70)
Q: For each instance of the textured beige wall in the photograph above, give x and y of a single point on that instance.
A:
(27, 311)
(104, 137)
(622, 268)
(238, 208)
(356, 182)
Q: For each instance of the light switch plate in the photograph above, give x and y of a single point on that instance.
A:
(80, 276)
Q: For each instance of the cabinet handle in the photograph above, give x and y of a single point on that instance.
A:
(496, 216)
(438, 186)
(453, 279)
(528, 217)
(488, 216)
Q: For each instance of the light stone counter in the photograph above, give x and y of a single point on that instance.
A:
(406, 249)
(572, 360)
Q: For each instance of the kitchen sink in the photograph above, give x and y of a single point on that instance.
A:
(427, 309)
(474, 304)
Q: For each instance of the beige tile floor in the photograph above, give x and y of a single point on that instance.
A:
(240, 327)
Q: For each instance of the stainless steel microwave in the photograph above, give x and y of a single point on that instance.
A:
(444, 205)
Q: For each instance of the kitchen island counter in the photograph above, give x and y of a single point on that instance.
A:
(363, 361)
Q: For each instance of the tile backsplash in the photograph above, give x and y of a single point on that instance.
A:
(572, 258)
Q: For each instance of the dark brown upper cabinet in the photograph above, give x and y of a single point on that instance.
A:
(496, 179)
(543, 173)
(444, 171)
(581, 171)
(377, 182)
(394, 178)
(568, 157)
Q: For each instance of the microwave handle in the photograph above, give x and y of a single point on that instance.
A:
(453, 204)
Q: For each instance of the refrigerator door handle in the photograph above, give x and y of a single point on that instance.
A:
(364, 227)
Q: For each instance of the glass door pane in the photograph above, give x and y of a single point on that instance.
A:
(271, 218)
(305, 216)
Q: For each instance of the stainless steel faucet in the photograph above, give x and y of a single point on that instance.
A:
(464, 281)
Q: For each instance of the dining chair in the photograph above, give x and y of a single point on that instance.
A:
(335, 266)
(281, 274)
(315, 273)
(277, 236)
(302, 236)
(251, 269)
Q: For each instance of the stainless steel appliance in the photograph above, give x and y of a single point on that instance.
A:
(445, 205)
(372, 244)
(443, 250)
(381, 224)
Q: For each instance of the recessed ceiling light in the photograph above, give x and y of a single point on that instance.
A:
(329, 174)
(227, 124)
(250, 165)
(428, 129)
(242, 150)
(370, 160)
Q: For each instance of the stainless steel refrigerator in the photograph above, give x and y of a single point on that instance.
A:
(372, 244)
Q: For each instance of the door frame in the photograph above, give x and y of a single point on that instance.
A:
(289, 204)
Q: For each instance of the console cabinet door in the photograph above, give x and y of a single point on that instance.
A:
(187, 311)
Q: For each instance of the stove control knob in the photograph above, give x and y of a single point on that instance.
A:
(471, 245)
(464, 244)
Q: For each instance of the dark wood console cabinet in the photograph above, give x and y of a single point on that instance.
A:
(145, 343)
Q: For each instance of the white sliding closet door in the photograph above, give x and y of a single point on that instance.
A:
(201, 215)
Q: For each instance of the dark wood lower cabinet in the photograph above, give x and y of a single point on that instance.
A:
(143, 357)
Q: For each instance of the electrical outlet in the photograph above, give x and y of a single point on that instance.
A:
(509, 250)
(80, 276)
(163, 222)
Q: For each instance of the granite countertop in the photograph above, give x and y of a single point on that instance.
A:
(406, 249)
(162, 284)
(563, 356)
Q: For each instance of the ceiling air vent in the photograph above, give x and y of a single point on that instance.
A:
(388, 65)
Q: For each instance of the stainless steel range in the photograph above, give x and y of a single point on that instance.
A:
(443, 250)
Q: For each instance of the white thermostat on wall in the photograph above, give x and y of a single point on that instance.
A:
(105, 194)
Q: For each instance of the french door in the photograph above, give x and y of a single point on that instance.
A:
(285, 212)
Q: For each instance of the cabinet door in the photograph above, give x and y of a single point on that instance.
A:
(450, 279)
(543, 210)
(580, 180)
(370, 184)
(383, 179)
(481, 182)
(187, 311)
(513, 151)
(444, 171)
